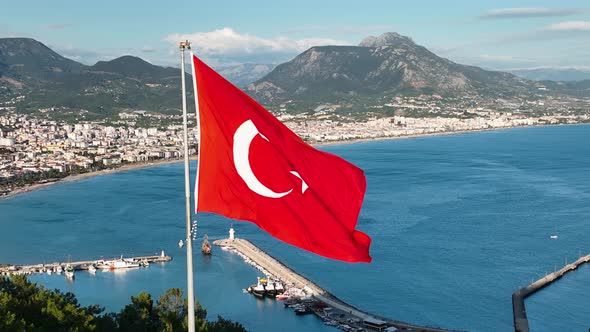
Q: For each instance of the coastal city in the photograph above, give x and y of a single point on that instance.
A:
(37, 146)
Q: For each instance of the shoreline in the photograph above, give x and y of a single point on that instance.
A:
(77, 177)
(129, 167)
(439, 133)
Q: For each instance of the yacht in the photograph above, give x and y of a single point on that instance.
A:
(119, 264)
(270, 290)
(279, 287)
(69, 272)
(258, 290)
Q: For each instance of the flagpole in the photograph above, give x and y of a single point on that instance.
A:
(189, 245)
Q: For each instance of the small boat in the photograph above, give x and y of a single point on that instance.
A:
(553, 237)
(206, 247)
(69, 272)
(258, 290)
(279, 288)
(180, 244)
(49, 271)
(144, 263)
(118, 264)
(303, 310)
(281, 297)
(270, 290)
(58, 269)
(92, 269)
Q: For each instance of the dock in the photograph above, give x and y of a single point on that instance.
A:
(76, 265)
(521, 323)
(271, 266)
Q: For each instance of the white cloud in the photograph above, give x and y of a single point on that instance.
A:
(501, 58)
(528, 12)
(569, 26)
(226, 41)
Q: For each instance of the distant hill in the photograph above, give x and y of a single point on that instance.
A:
(134, 67)
(47, 79)
(553, 74)
(243, 74)
(387, 64)
(27, 61)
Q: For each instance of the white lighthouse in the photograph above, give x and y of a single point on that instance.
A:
(231, 233)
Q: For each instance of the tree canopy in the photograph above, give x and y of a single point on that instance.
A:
(26, 306)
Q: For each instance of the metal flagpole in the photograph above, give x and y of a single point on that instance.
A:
(189, 245)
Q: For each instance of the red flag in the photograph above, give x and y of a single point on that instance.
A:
(252, 167)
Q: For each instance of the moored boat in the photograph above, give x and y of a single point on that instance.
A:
(118, 264)
(269, 289)
(279, 288)
(259, 290)
(206, 247)
(69, 272)
(92, 269)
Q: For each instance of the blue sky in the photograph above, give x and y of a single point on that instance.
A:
(492, 34)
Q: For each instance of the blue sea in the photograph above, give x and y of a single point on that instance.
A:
(458, 223)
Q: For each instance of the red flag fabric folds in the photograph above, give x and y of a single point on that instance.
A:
(253, 168)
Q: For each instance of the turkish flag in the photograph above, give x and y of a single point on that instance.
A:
(253, 168)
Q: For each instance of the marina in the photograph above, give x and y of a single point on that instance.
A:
(68, 268)
(307, 297)
(521, 323)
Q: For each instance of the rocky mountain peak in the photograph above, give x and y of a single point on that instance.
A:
(386, 39)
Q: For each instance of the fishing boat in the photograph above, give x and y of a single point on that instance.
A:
(270, 290)
(279, 287)
(259, 290)
(69, 272)
(206, 247)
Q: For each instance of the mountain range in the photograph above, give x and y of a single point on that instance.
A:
(387, 65)
(553, 74)
(383, 66)
(49, 80)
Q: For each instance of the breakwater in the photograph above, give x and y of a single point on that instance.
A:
(333, 309)
(76, 265)
(521, 323)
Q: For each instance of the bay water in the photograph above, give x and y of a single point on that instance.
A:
(458, 223)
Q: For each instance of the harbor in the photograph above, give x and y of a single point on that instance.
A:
(521, 323)
(304, 296)
(68, 268)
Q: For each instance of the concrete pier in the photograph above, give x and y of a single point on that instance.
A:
(77, 265)
(521, 323)
(287, 275)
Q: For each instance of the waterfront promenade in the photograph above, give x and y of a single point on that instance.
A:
(286, 275)
(521, 323)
